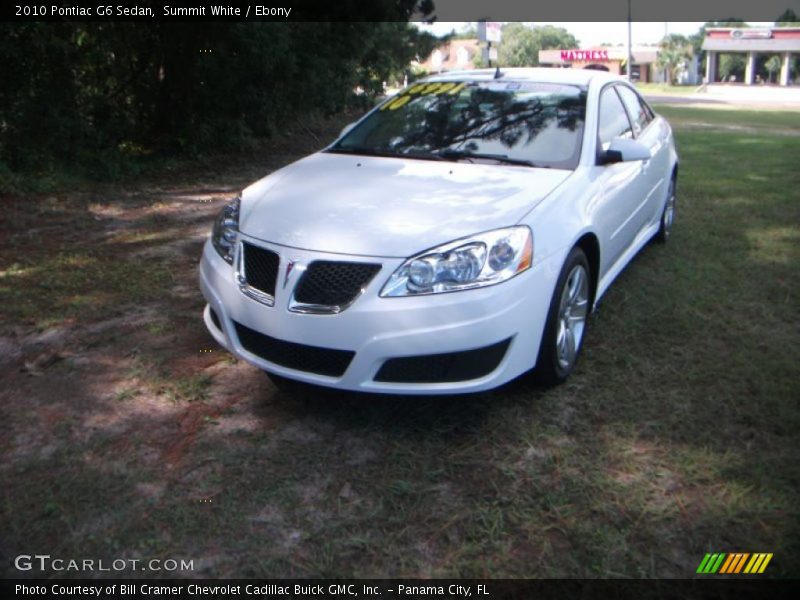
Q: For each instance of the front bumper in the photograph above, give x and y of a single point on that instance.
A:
(378, 329)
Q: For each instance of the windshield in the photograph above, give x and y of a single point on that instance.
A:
(534, 124)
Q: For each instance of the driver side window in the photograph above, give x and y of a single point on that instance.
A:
(613, 120)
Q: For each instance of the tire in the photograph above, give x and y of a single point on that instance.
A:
(668, 214)
(567, 318)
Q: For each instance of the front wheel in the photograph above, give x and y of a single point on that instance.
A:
(668, 214)
(566, 321)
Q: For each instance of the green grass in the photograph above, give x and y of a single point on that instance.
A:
(676, 436)
(76, 284)
(62, 268)
(773, 121)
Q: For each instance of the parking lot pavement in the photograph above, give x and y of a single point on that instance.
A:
(785, 98)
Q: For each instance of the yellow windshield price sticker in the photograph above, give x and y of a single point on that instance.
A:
(396, 103)
(436, 88)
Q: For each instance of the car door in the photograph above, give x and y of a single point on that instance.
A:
(654, 172)
(619, 186)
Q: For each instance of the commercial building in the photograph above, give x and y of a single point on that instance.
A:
(606, 58)
(780, 41)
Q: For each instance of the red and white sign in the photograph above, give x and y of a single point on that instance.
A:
(742, 34)
(584, 55)
(489, 32)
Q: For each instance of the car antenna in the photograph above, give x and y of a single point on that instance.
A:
(497, 73)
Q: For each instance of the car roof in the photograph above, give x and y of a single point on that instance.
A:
(582, 77)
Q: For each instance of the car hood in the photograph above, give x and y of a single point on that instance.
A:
(391, 207)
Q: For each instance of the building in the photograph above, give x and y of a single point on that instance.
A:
(611, 58)
(781, 41)
(455, 55)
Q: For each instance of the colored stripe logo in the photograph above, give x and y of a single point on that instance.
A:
(734, 563)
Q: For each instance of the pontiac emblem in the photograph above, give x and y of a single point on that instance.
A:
(289, 267)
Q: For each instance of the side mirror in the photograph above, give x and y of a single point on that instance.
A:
(622, 150)
(346, 129)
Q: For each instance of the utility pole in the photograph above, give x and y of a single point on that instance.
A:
(630, 53)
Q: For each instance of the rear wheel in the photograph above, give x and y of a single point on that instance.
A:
(566, 321)
(668, 214)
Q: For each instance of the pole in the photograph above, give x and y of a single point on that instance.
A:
(630, 53)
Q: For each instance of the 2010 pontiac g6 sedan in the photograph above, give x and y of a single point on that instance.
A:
(454, 238)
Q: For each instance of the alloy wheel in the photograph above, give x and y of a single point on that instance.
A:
(572, 313)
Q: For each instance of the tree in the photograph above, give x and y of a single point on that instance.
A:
(788, 17)
(517, 47)
(90, 96)
(390, 48)
(674, 52)
(773, 65)
(731, 64)
(520, 44)
(554, 38)
(469, 33)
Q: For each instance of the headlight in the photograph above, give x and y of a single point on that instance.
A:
(226, 229)
(477, 261)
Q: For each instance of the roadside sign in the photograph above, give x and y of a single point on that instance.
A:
(489, 32)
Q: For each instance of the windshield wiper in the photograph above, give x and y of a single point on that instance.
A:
(450, 154)
(364, 151)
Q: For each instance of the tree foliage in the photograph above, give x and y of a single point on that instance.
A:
(92, 93)
(732, 65)
(773, 65)
(469, 33)
(520, 44)
(675, 51)
(788, 17)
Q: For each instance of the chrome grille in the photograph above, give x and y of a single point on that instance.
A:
(333, 284)
(260, 268)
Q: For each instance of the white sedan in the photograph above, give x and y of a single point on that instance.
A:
(454, 238)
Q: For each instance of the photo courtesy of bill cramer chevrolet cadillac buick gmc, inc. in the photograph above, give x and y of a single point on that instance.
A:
(453, 239)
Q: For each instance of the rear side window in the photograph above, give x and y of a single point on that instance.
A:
(613, 120)
(639, 112)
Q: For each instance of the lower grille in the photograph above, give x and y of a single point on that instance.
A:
(443, 368)
(311, 359)
(331, 283)
(260, 268)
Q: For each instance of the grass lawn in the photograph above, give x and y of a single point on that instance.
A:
(769, 121)
(128, 434)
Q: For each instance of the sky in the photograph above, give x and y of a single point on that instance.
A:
(594, 34)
